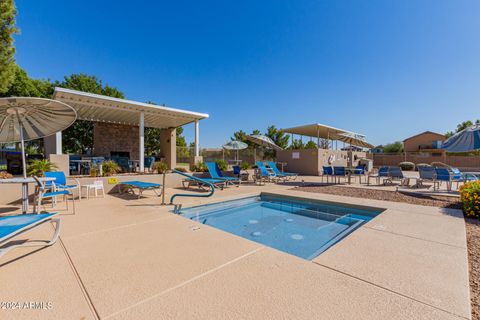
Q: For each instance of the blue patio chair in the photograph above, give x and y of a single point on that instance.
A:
(74, 166)
(60, 182)
(327, 172)
(425, 173)
(13, 226)
(44, 193)
(216, 173)
(359, 172)
(148, 163)
(287, 175)
(382, 174)
(124, 163)
(264, 174)
(396, 173)
(444, 175)
(338, 173)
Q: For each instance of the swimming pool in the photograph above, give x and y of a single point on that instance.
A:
(304, 228)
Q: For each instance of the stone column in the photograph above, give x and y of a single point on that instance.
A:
(168, 146)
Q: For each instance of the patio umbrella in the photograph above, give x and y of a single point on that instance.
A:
(354, 139)
(263, 141)
(23, 119)
(235, 145)
(464, 141)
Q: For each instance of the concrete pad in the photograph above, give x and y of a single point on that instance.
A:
(120, 267)
(433, 273)
(442, 229)
(42, 276)
(271, 285)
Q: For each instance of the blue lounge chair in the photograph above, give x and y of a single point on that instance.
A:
(275, 170)
(217, 183)
(327, 172)
(264, 174)
(382, 174)
(216, 173)
(141, 186)
(13, 226)
(445, 175)
(338, 173)
(148, 163)
(60, 182)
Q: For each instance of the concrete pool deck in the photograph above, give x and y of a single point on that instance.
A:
(123, 258)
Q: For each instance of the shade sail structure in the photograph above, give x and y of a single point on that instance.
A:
(322, 131)
(38, 117)
(464, 141)
(235, 145)
(94, 107)
(263, 141)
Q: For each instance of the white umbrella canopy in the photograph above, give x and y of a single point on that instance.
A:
(235, 145)
(354, 139)
(25, 118)
(263, 141)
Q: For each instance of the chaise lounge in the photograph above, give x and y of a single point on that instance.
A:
(13, 226)
(141, 186)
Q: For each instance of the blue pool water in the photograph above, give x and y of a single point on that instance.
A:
(302, 228)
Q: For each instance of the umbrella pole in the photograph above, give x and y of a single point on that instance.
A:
(24, 165)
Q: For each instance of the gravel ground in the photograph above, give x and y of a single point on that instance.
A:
(472, 226)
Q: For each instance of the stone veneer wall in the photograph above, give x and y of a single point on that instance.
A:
(109, 137)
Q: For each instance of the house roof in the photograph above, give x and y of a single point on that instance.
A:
(425, 132)
(95, 107)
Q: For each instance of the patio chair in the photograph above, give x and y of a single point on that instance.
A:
(141, 186)
(148, 163)
(444, 175)
(60, 182)
(287, 175)
(327, 172)
(263, 174)
(359, 172)
(217, 183)
(381, 174)
(73, 166)
(426, 173)
(338, 173)
(396, 173)
(216, 173)
(124, 163)
(13, 226)
(43, 193)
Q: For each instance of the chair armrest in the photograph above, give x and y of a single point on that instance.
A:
(77, 182)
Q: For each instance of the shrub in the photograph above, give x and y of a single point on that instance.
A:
(407, 166)
(245, 166)
(181, 169)
(199, 167)
(222, 165)
(109, 168)
(160, 166)
(39, 166)
(421, 165)
(470, 197)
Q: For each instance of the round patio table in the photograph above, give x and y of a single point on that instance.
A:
(25, 182)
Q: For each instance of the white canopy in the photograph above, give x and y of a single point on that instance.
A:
(322, 131)
(95, 107)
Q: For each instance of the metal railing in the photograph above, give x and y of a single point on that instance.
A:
(179, 206)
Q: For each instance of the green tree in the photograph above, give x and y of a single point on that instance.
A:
(396, 147)
(24, 86)
(280, 139)
(460, 127)
(297, 144)
(311, 145)
(7, 50)
(78, 138)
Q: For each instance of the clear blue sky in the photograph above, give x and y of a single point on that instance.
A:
(388, 69)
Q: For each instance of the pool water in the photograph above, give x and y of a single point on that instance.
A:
(299, 227)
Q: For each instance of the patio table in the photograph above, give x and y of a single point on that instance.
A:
(350, 171)
(25, 182)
